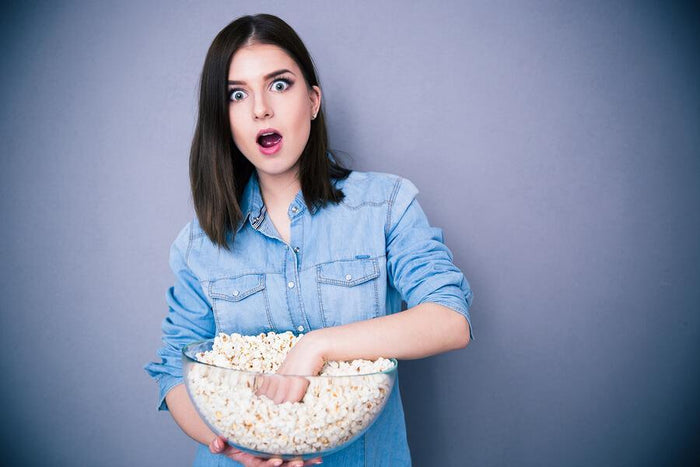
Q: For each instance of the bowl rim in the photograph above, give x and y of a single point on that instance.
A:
(185, 356)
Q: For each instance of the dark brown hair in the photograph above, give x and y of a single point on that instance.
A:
(218, 170)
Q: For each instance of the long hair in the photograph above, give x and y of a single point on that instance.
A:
(218, 170)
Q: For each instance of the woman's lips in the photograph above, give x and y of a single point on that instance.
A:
(271, 146)
(269, 141)
(272, 149)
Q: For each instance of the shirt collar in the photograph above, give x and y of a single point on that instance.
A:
(252, 206)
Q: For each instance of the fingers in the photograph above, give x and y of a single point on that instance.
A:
(217, 445)
(280, 393)
(281, 388)
(250, 460)
(262, 384)
(290, 389)
(297, 388)
(300, 463)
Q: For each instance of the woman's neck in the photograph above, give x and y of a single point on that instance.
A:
(279, 192)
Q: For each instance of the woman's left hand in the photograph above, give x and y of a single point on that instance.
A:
(289, 385)
(305, 358)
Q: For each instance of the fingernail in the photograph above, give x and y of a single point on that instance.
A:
(277, 462)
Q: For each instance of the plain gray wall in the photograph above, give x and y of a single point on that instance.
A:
(556, 143)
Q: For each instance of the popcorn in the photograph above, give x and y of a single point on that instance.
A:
(333, 411)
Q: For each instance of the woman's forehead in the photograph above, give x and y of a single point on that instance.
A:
(254, 62)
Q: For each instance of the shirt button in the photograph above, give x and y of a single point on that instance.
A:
(235, 293)
(295, 209)
(290, 284)
(348, 277)
(296, 249)
(300, 329)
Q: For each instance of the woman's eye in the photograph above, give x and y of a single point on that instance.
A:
(280, 85)
(236, 95)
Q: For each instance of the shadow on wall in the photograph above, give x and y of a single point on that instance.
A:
(419, 393)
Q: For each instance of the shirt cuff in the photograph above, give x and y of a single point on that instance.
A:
(166, 383)
(455, 305)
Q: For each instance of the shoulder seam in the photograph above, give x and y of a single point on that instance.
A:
(390, 204)
(190, 241)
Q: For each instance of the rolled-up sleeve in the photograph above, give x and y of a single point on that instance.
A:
(189, 318)
(419, 264)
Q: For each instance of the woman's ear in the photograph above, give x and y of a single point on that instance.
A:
(315, 99)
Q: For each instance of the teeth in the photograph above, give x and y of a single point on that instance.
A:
(267, 134)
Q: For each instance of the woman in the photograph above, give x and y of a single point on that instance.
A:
(285, 238)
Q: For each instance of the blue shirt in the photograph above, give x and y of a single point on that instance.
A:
(345, 262)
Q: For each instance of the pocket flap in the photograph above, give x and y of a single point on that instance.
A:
(348, 273)
(237, 288)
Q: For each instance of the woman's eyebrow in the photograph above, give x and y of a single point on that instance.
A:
(267, 76)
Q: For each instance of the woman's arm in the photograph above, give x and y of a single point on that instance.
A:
(185, 415)
(424, 330)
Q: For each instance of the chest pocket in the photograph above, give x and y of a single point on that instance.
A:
(240, 304)
(348, 290)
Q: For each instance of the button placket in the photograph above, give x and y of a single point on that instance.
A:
(297, 313)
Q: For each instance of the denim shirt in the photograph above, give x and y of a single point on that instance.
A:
(345, 262)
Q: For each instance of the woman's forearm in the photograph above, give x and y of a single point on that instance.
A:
(185, 415)
(424, 330)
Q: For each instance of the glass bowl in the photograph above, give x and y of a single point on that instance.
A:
(238, 405)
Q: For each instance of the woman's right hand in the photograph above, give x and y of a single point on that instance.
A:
(220, 446)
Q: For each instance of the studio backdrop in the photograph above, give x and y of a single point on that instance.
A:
(556, 143)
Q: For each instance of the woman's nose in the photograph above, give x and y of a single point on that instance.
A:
(261, 108)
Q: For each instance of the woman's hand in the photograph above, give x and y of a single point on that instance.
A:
(281, 388)
(289, 384)
(306, 358)
(220, 446)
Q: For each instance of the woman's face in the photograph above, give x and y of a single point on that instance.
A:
(270, 110)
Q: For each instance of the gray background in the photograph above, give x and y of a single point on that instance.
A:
(556, 143)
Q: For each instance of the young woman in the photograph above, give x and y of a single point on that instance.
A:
(286, 239)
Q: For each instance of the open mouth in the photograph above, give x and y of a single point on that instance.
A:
(269, 139)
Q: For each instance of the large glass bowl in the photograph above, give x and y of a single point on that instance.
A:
(334, 411)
